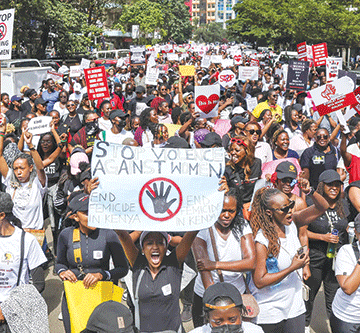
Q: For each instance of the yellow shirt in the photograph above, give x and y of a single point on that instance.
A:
(265, 105)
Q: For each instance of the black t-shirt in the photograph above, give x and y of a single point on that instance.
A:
(236, 179)
(53, 171)
(73, 123)
(26, 107)
(14, 116)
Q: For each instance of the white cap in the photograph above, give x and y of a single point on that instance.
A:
(77, 87)
(238, 110)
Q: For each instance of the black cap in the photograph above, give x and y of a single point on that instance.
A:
(329, 176)
(41, 101)
(297, 107)
(222, 289)
(79, 203)
(211, 139)
(176, 142)
(140, 89)
(110, 317)
(117, 113)
(238, 119)
(30, 92)
(286, 170)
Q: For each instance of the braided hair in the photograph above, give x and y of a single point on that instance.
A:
(339, 206)
(261, 220)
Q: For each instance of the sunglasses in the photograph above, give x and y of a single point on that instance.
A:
(286, 209)
(70, 105)
(238, 142)
(252, 131)
(322, 136)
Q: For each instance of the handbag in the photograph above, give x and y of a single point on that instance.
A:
(82, 302)
(249, 301)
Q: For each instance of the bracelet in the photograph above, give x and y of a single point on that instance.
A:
(32, 148)
(312, 191)
(60, 145)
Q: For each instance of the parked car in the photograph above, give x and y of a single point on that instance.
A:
(13, 63)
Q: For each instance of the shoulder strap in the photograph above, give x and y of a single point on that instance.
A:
(77, 246)
(22, 246)
(356, 251)
(136, 300)
(216, 255)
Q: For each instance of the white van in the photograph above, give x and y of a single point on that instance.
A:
(14, 63)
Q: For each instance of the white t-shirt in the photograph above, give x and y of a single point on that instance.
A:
(228, 250)
(28, 202)
(104, 125)
(283, 301)
(109, 136)
(10, 260)
(346, 307)
(62, 111)
(246, 326)
(298, 143)
(263, 152)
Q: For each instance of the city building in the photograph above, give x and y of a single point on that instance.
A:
(203, 11)
(224, 11)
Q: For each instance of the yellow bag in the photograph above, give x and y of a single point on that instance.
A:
(82, 302)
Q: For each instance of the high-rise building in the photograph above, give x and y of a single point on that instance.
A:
(204, 11)
(224, 11)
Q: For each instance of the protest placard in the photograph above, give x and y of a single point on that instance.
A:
(120, 62)
(334, 96)
(298, 72)
(225, 63)
(96, 83)
(320, 54)
(205, 61)
(75, 71)
(137, 55)
(248, 73)
(251, 103)
(222, 126)
(39, 125)
(254, 62)
(155, 189)
(163, 69)
(216, 59)
(207, 100)
(227, 78)
(173, 57)
(237, 59)
(85, 63)
(187, 70)
(54, 75)
(152, 75)
(6, 33)
(352, 76)
(302, 52)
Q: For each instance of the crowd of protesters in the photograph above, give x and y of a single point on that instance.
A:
(289, 221)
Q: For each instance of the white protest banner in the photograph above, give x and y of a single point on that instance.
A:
(237, 59)
(137, 54)
(173, 57)
(39, 125)
(54, 75)
(152, 75)
(248, 73)
(333, 65)
(6, 33)
(205, 61)
(119, 62)
(251, 103)
(225, 63)
(207, 100)
(334, 96)
(161, 189)
(75, 71)
(85, 63)
(151, 61)
(227, 78)
(216, 59)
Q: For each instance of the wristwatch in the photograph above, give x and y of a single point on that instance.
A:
(312, 191)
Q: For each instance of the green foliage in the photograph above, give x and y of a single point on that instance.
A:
(210, 33)
(289, 22)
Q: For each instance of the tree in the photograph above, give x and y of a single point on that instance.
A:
(289, 22)
(210, 33)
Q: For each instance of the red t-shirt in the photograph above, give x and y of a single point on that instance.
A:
(354, 169)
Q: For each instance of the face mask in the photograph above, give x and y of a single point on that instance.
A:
(92, 127)
(227, 329)
(121, 124)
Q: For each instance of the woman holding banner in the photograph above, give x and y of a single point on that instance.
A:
(234, 253)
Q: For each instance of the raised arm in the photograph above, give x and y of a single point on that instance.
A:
(345, 155)
(200, 252)
(129, 247)
(184, 247)
(3, 165)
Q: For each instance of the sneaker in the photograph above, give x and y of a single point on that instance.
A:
(186, 313)
(307, 329)
(60, 317)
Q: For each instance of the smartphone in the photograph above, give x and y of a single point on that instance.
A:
(302, 250)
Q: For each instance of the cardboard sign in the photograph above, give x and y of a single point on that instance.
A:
(151, 61)
(173, 57)
(352, 76)
(356, 106)
(163, 69)
(332, 68)
(216, 59)
(298, 73)
(39, 125)
(222, 126)
(225, 63)
(227, 78)
(152, 75)
(96, 83)
(85, 63)
(237, 59)
(137, 55)
(251, 103)
(75, 71)
(54, 75)
(248, 73)
(320, 54)
(207, 100)
(6, 33)
(254, 63)
(165, 189)
(187, 70)
(334, 96)
(302, 52)
(205, 61)
(119, 62)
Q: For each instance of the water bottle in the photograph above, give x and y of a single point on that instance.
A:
(272, 267)
(351, 232)
(331, 249)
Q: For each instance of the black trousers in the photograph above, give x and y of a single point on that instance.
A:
(339, 326)
(293, 325)
(197, 311)
(4, 328)
(65, 315)
(321, 271)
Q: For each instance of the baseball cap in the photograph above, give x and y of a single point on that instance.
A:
(110, 317)
(211, 139)
(238, 119)
(75, 159)
(176, 142)
(297, 107)
(117, 113)
(16, 98)
(79, 203)
(30, 92)
(6, 204)
(186, 95)
(77, 86)
(238, 110)
(222, 289)
(40, 100)
(140, 89)
(329, 176)
(286, 170)
(145, 233)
